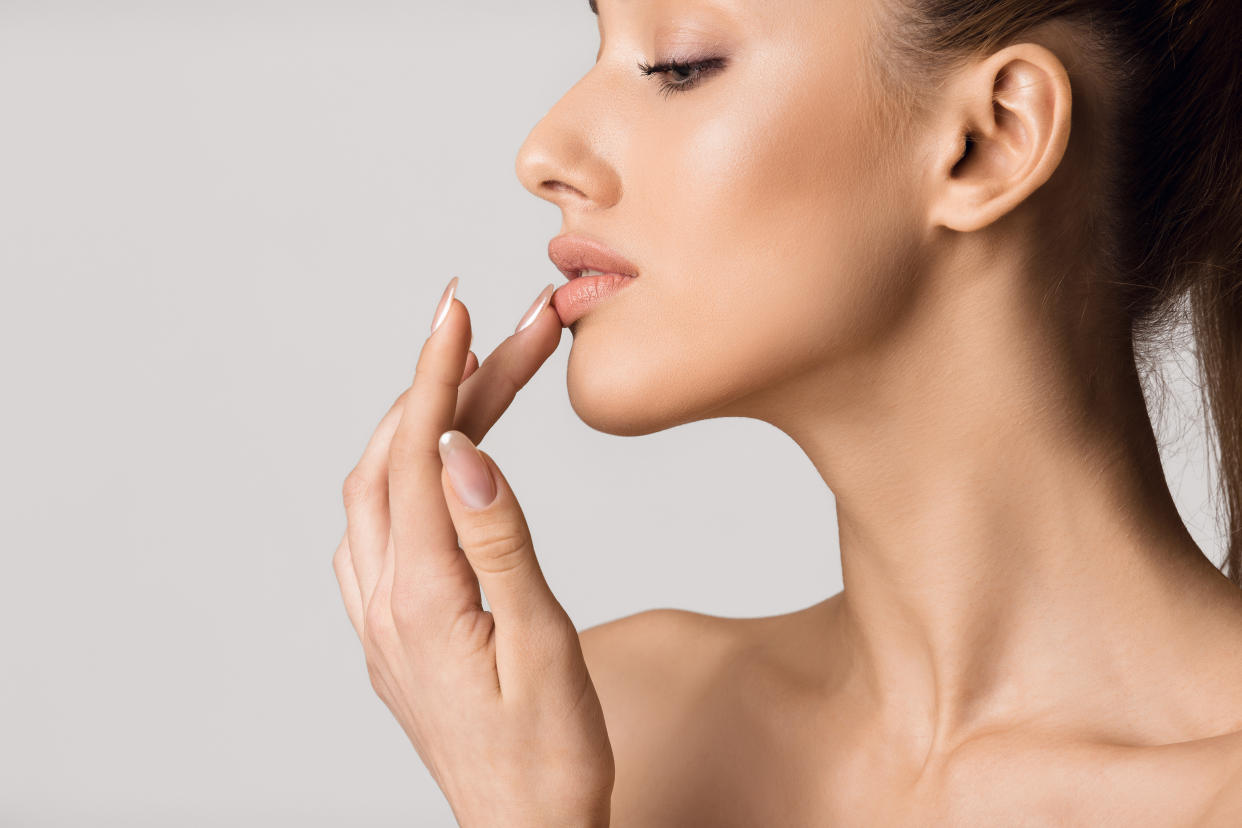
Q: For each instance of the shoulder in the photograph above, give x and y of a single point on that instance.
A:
(653, 653)
(670, 648)
(659, 677)
(648, 658)
(689, 700)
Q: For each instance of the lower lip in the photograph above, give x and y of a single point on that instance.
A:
(573, 299)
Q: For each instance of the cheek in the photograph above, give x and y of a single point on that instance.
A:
(772, 224)
(779, 224)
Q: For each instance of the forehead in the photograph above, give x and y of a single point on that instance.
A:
(824, 28)
(788, 10)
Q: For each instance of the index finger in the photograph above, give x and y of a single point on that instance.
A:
(491, 389)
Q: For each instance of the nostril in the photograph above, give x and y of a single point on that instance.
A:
(557, 186)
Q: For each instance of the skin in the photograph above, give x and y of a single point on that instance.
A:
(1027, 633)
(498, 703)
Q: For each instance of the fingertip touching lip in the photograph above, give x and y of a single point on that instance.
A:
(573, 254)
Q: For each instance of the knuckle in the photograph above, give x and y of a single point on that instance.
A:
(510, 382)
(341, 559)
(407, 609)
(400, 455)
(376, 677)
(500, 547)
(472, 632)
(433, 374)
(552, 640)
(355, 487)
(404, 454)
(378, 625)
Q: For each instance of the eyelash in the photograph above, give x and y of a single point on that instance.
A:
(699, 67)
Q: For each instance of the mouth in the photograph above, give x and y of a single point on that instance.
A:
(578, 296)
(576, 256)
(595, 272)
(578, 274)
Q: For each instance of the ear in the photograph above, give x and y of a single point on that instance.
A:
(1002, 135)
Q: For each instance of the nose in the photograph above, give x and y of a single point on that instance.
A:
(564, 158)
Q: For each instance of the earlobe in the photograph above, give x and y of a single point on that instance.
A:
(1007, 131)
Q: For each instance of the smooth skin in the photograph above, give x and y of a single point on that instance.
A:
(498, 703)
(1027, 635)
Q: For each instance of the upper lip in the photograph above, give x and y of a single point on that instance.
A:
(573, 254)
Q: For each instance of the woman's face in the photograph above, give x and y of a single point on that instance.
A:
(769, 210)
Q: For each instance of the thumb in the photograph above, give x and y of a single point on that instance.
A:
(492, 531)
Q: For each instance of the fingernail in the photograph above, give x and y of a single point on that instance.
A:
(446, 301)
(541, 300)
(471, 479)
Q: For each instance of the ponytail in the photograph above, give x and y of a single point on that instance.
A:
(1187, 190)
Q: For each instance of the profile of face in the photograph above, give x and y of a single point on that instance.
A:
(769, 209)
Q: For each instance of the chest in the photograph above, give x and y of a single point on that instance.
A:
(1030, 785)
(743, 778)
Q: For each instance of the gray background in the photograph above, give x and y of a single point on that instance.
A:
(224, 227)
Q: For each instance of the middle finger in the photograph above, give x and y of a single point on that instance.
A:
(423, 535)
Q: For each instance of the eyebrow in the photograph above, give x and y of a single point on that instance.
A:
(594, 8)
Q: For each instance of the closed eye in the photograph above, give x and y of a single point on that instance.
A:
(686, 74)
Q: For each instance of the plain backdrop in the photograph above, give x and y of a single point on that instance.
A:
(224, 227)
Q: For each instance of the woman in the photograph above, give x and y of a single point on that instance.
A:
(930, 240)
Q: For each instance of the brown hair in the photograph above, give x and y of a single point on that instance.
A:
(1167, 219)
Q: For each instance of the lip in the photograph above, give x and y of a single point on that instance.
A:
(573, 253)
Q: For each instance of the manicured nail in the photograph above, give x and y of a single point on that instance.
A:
(446, 302)
(541, 300)
(471, 479)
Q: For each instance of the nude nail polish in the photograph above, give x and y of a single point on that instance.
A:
(470, 476)
(541, 300)
(446, 301)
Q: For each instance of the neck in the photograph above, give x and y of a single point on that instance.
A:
(1006, 533)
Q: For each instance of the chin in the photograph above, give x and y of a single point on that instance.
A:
(629, 393)
(612, 398)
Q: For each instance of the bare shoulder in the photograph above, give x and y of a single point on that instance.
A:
(665, 650)
(673, 685)
(656, 659)
(638, 660)
(648, 668)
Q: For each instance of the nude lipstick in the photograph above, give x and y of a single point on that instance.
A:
(595, 273)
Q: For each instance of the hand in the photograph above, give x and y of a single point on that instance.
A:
(499, 703)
